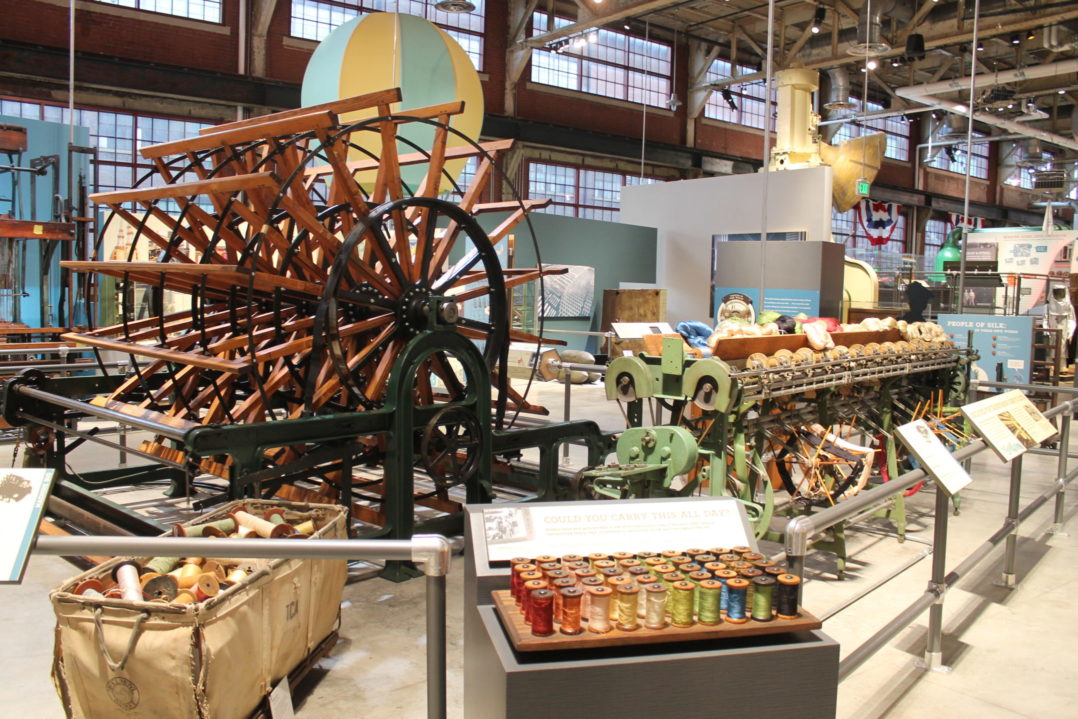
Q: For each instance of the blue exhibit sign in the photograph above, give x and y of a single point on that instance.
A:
(1005, 344)
(783, 301)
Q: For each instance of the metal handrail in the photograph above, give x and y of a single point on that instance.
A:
(432, 552)
(801, 528)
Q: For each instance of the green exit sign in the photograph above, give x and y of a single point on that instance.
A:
(862, 187)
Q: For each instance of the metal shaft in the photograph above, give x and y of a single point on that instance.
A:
(1061, 469)
(436, 637)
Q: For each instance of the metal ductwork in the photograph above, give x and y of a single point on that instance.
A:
(928, 94)
(838, 91)
(1032, 152)
(953, 127)
(870, 40)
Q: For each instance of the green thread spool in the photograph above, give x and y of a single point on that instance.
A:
(668, 554)
(639, 572)
(763, 588)
(696, 578)
(689, 568)
(162, 565)
(679, 560)
(628, 563)
(729, 558)
(709, 592)
(740, 565)
(627, 605)
(763, 564)
(220, 528)
(652, 562)
(681, 598)
(661, 569)
(671, 578)
(748, 574)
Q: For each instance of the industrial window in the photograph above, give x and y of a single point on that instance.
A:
(117, 137)
(463, 180)
(208, 10)
(580, 192)
(897, 129)
(748, 107)
(314, 19)
(603, 62)
(936, 232)
(847, 231)
(953, 159)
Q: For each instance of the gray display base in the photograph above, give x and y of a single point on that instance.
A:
(772, 677)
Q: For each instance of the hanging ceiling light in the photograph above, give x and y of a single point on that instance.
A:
(1015, 39)
(817, 19)
(454, 6)
(1031, 35)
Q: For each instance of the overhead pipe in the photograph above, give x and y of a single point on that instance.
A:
(928, 94)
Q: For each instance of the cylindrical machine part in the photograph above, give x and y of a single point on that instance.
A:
(794, 126)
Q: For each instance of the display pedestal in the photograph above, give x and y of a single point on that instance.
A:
(775, 676)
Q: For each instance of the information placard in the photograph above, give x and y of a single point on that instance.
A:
(23, 493)
(558, 528)
(933, 456)
(1009, 423)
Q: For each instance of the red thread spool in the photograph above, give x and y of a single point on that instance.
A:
(542, 605)
(516, 581)
(547, 567)
(530, 586)
(571, 610)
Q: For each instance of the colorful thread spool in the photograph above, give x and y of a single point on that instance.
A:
(714, 567)
(703, 559)
(662, 569)
(749, 574)
(752, 557)
(220, 528)
(615, 584)
(542, 604)
(696, 578)
(681, 597)
(737, 590)
(729, 558)
(90, 588)
(693, 551)
(586, 582)
(679, 560)
(207, 586)
(719, 551)
(531, 586)
(671, 577)
(125, 574)
(669, 554)
(547, 567)
(653, 561)
(236, 575)
(639, 572)
(763, 589)
(628, 563)
(709, 593)
(741, 550)
(571, 607)
(655, 606)
(556, 585)
(275, 515)
(307, 527)
(763, 564)
(689, 567)
(740, 565)
(628, 601)
(583, 573)
(545, 559)
(162, 565)
(597, 557)
(785, 596)
(775, 571)
(599, 610)
(724, 576)
(600, 565)
(557, 574)
(571, 558)
(618, 556)
(644, 556)
(262, 527)
(518, 567)
(163, 586)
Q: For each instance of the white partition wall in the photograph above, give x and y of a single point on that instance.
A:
(687, 213)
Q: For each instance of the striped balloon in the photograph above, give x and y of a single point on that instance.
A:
(383, 50)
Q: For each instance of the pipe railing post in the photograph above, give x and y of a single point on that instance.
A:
(938, 583)
(1061, 473)
(1013, 498)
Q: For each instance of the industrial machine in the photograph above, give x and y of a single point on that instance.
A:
(308, 316)
(784, 428)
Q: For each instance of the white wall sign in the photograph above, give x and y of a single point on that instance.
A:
(933, 456)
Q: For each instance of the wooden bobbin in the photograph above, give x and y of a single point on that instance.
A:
(262, 527)
(220, 528)
(90, 588)
(162, 565)
(126, 576)
(187, 575)
(163, 586)
(207, 586)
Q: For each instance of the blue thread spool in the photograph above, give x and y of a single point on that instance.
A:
(737, 589)
(725, 575)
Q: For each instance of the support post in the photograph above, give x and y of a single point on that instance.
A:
(1007, 580)
(436, 637)
(933, 659)
(1061, 473)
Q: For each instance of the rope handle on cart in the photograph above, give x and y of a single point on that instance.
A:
(131, 641)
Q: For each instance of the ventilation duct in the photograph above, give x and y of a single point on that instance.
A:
(1032, 153)
(838, 93)
(953, 127)
(870, 42)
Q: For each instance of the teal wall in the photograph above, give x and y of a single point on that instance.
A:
(618, 252)
(43, 138)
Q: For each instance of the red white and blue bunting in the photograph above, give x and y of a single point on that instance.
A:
(878, 219)
(973, 223)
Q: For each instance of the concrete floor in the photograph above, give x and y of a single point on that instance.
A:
(1010, 650)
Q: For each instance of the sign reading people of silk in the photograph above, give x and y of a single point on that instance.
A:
(878, 219)
(383, 50)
